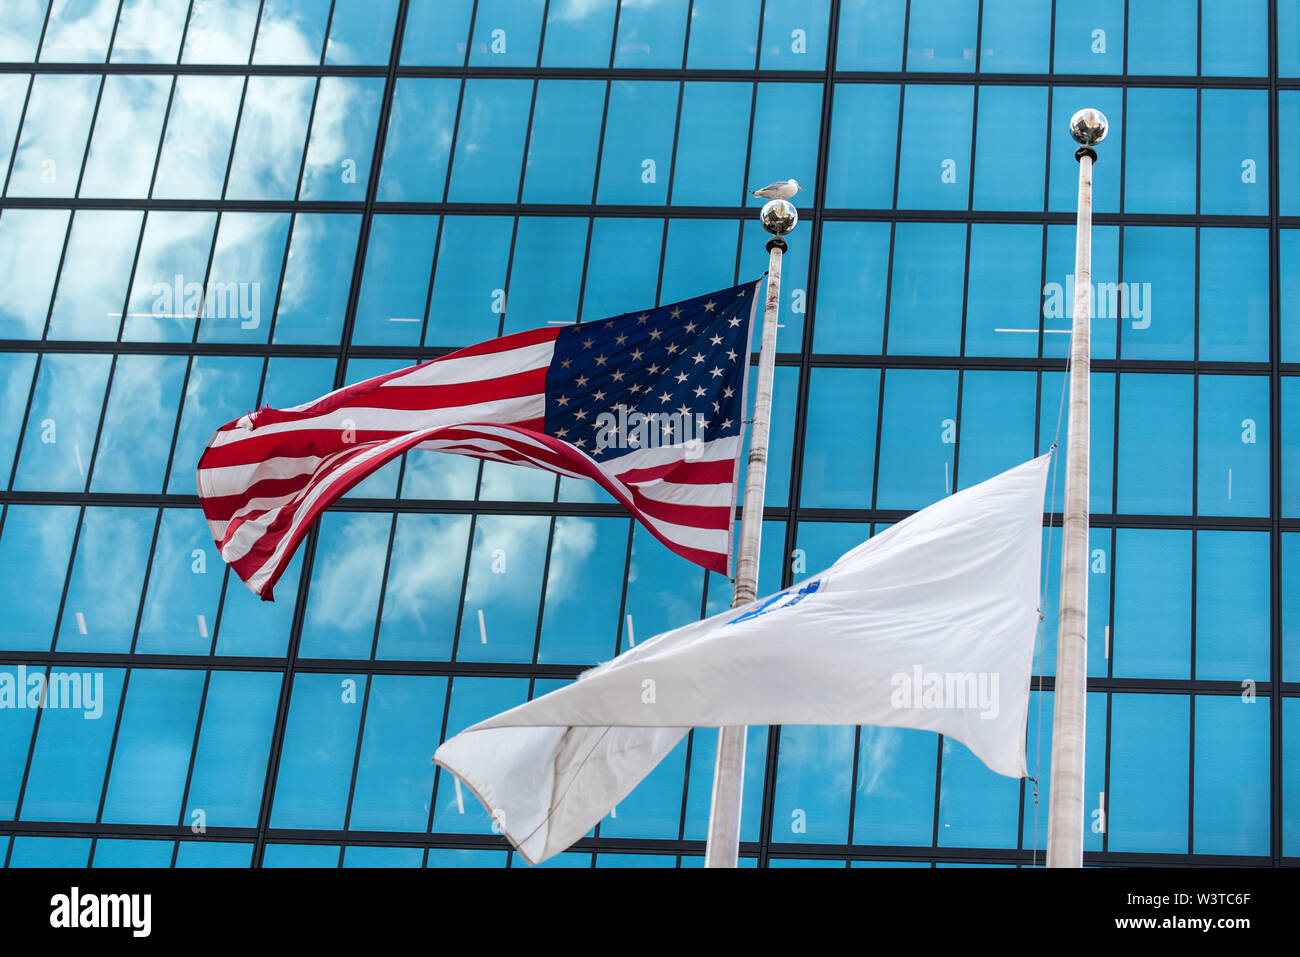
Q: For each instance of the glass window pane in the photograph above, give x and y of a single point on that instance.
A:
(243, 277)
(1234, 38)
(561, 164)
(317, 277)
(977, 808)
(813, 783)
(422, 592)
(1234, 157)
(394, 777)
(320, 739)
(1159, 267)
(637, 152)
(23, 23)
(941, 36)
(895, 786)
(13, 95)
(1159, 169)
(139, 420)
(49, 852)
(863, 145)
(1002, 290)
(1162, 38)
(1290, 446)
(997, 423)
(918, 437)
(490, 141)
(699, 788)
(546, 272)
(151, 759)
(840, 444)
(272, 134)
(343, 600)
(506, 32)
(180, 606)
(337, 167)
(31, 241)
(395, 286)
(53, 140)
(1090, 38)
(361, 32)
(1232, 598)
(926, 289)
(234, 743)
(623, 266)
(220, 33)
(60, 436)
(711, 138)
(96, 268)
(1009, 145)
(149, 31)
(1148, 773)
(196, 147)
(794, 34)
(579, 32)
(850, 288)
(291, 31)
(125, 142)
(504, 589)
(107, 577)
(470, 280)
(584, 584)
(723, 35)
(213, 854)
(1233, 294)
(1153, 574)
(1231, 796)
(35, 545)
(16, 371)
(78, 32)
(436, 33)
(418, 146)
(170, 276)
(71, 751)
(934, 165)
(650, 34)
(871, 35)
(1288, 128)
(1015, 37)
(300, 855)
(1155, 444)
(1232, 446)
(114, 852)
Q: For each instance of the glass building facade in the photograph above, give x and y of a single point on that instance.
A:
(215, 205)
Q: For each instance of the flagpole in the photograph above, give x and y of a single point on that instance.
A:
(723, 847)
(1066, 813)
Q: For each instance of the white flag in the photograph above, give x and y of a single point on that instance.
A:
(930, 624)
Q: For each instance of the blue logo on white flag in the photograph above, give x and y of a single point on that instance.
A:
(781, 600)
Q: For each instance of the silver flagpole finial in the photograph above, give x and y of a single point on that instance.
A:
(1089, 127)
(779, 217)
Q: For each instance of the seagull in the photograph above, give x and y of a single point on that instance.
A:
(778, 190)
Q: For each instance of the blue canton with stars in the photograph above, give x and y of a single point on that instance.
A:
(656, 369)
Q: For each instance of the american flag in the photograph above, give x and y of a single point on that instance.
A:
(648, 404)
